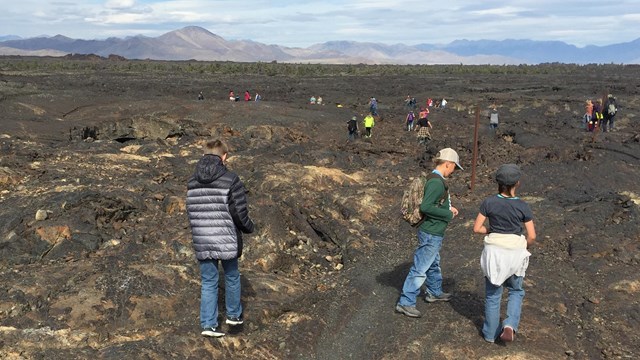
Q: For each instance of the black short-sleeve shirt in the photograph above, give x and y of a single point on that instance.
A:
(506, 215)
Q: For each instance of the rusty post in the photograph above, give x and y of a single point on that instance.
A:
(475, 148)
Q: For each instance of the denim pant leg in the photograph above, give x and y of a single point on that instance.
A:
(493, 296)
(232, 287)
(208, 293)
(434, 277)
(514, 305)
(424, 257)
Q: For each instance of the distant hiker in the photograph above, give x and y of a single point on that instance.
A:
(609, 112)
(218, 215)
(588, 113)
(505, 257)
(443, 103)
(424, 134)
(258, 97)
(232, 96)
(410, 102)
(493, 118)
(373, 106)
(200, 96)
(369, 122)
(247, 96)
(597, 115)
(438, 212)
(319, 100)
(312, 100)
(409, 120)
(424, 113)
(352, 127)
(429, 102)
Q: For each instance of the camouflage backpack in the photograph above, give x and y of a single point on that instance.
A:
(412, 198)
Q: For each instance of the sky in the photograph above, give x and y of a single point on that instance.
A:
(305, 23)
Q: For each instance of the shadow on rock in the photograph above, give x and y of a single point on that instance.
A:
(471, 306)
(395, 278)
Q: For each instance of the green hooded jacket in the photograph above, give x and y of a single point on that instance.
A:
(437, 216)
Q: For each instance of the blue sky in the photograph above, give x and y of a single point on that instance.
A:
(304, 23)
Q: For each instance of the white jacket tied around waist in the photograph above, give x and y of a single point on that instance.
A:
(504, 255)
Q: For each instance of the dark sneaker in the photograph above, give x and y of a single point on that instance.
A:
(442, 297)
(508, 335)
(410, 311)
(211, 332)
(234, 321)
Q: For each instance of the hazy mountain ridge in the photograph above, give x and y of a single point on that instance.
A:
(193, 42)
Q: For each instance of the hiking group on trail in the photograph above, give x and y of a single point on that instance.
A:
(426, 204)
(218, 215)
(599, 114)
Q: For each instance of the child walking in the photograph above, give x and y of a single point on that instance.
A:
(505, 257)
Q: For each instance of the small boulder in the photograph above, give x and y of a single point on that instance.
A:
(41, 215)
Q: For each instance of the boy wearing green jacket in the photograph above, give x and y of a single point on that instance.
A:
(438, 212)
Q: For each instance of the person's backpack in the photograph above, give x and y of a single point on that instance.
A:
(410, 117)
(611, 109)
(412, 198)
(352, 125)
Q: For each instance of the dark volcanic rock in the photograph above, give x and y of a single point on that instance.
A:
(109, 271)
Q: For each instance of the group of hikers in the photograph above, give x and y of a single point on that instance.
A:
(218, 215)
(599, 115)
(247, 96)
(234, 97)
(411, 103)
(422, 124)
(316, 101)
(412, 122)
(504, 259)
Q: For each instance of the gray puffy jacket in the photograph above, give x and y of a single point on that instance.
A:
(217, 209)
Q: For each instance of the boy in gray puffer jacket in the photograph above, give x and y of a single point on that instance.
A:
(218, 215)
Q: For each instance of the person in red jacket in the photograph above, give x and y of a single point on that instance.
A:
(247, 96)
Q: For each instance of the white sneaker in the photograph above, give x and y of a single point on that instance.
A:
(211, 332)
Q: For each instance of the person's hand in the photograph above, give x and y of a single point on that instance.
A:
(454, 211)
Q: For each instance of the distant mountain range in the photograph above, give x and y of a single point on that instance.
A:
(196, 43)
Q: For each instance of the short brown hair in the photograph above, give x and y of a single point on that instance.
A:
(216, 147)
(502, 188)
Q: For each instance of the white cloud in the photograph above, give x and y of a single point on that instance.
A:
(120, 4)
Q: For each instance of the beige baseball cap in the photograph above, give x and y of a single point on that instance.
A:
(448, 154)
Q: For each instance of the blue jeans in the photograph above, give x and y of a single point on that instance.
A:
(426, 266)
(491, 328)
(209, 291)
